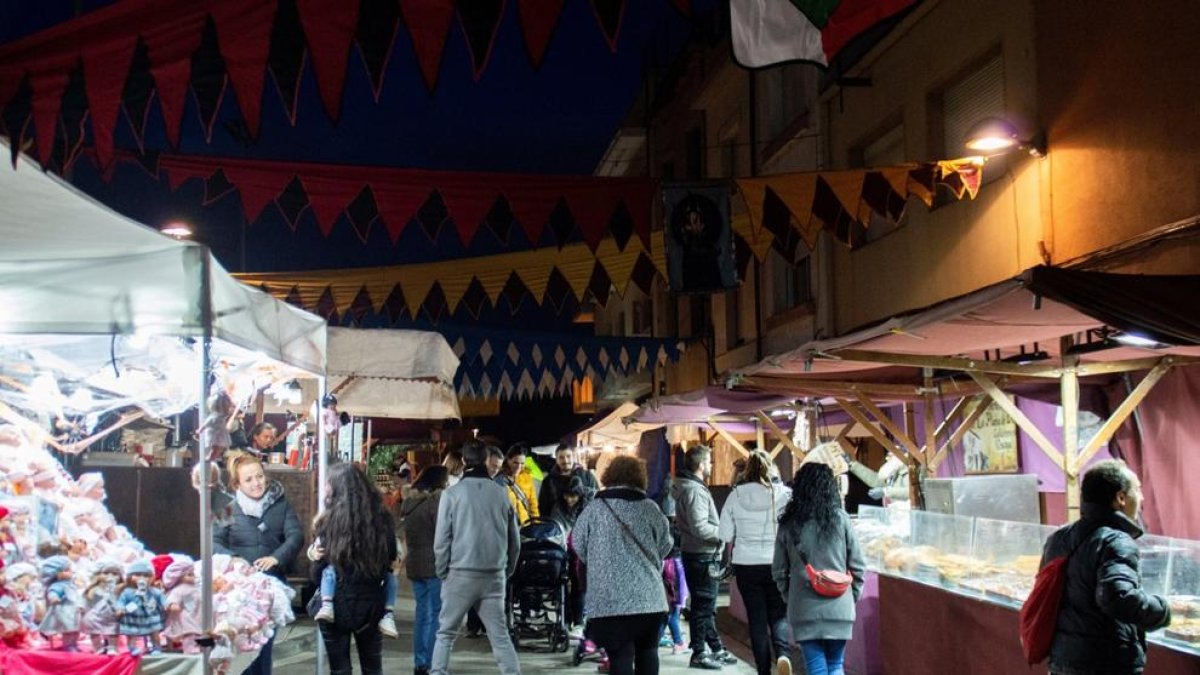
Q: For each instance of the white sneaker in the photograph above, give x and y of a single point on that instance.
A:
(326, 611)
(783, 666)
(387, 625)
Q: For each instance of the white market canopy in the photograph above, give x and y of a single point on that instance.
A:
(72, 266)
(398, 374)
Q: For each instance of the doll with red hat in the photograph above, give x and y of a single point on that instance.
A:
(12, 624)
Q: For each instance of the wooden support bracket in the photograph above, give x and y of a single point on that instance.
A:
(1001, 399)
(737, 445)
(1123, 411)
(770, 426)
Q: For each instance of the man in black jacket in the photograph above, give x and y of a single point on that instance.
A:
(559, 478)
(1104, 615)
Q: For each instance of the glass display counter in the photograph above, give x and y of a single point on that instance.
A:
(997, 560)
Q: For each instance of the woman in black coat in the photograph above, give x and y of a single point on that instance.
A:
(359, 539)
(261, 528)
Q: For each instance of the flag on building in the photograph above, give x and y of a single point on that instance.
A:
(767, 32)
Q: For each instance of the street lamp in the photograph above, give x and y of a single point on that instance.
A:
(994, 135)
(176, 229)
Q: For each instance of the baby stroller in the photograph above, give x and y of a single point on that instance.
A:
(536, 601)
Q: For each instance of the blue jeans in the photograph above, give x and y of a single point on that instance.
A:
(824, 657)
(329, 583)
(428, 593)
(672, 622)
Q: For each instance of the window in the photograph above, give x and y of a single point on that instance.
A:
(791, 283)
(643, 317)
(978, 94)
(785, 93)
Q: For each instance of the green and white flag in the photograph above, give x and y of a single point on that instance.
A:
(767, 32)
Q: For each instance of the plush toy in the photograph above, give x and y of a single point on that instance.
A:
(183, 604)
(140, 608)
(22, 583)
(100, 620)
(63, 603)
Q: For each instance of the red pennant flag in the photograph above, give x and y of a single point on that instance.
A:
(48, 90)
(639, 200)
(169, 48)
(592, 208)
(244, 36)
(467, 205)
(684, 6)
(105, 67)
(532, 206)
(609, 14)
(10, 82)
(428, 24)
(329, 28)
(398, 205)
(257, 187)
(179, 171)
(328, 197)
(538, 19)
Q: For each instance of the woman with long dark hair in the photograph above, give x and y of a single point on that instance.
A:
(815, 530)
(750, 521)
(359, 540)
(419, 519)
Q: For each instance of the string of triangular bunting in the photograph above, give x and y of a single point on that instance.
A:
(126, 55)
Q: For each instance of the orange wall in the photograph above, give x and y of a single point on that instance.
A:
(1119, 95)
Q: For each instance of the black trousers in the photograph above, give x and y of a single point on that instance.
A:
(368, 640)
(630, 641)
(766, 614)
(702, 619)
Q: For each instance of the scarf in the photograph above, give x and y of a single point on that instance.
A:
(250, 506)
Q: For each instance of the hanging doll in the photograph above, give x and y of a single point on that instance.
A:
(63, 603)
(215, 438)
(100, 621)
(183, 604)
(140, 608)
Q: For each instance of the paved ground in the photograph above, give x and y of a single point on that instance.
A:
(295, 652)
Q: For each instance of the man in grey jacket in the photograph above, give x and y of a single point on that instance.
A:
(700, 542)
(475, 551)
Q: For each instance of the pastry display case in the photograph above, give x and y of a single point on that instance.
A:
(997, 560)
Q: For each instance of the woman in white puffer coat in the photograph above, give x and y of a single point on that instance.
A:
(750, 521)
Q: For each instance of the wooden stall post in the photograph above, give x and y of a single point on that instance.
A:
(1070, 405)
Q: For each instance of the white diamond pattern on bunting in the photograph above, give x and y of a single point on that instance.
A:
(643, 358)
(603, 358)
(485, 386)
(662, 355)
(536, 353)
(581, 358)
(546, 385)
(560, 357)
(514, 354)
(623, 358)
(485, 352)
(525, 386)
(460, 348)
(505, 389)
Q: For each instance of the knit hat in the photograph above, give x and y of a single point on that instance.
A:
(160, 563)
(51, 567)
(176, 571)
(108, 565)
(3, 512)
(139, 567)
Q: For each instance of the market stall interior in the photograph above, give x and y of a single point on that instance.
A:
(118, 319)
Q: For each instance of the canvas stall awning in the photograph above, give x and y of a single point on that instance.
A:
(71, 266)
(616, 429)
(399, 374)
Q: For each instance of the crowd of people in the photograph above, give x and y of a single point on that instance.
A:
(635, 562)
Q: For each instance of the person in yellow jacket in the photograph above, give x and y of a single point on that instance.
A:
(519, 483)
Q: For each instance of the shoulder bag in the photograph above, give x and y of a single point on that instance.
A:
(826, 583)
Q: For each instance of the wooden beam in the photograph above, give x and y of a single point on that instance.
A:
(846, 429)
(1036, 369)
(728, 438)
(770, 425)
(760, 441)
(983, 403)
(1123, 411)
(1069, 397)
(895, 431)
(876, 433)
(777, 449)
(1135, 364)
(1002, 399)
(800, 386)
(931, 430)
(951, 416)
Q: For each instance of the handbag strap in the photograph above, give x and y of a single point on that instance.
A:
(629, 533)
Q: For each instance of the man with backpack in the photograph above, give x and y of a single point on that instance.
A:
(1104, 614)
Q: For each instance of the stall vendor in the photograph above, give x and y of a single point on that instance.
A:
(890, 483)
(262, 439)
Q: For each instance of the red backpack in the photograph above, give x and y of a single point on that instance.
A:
(1039, 612)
